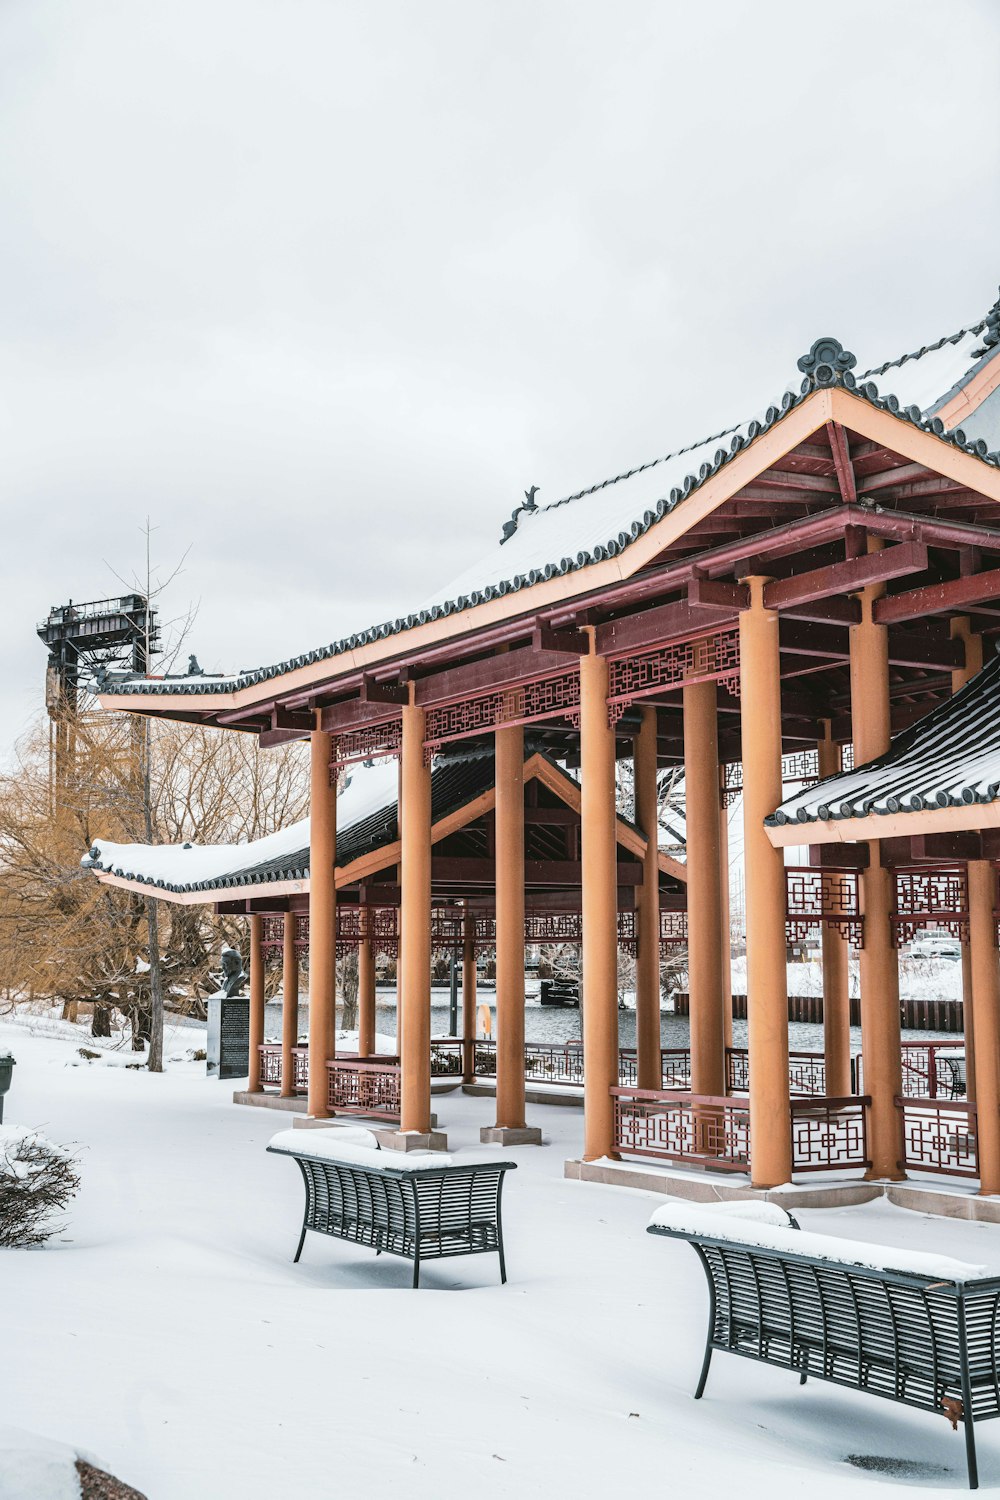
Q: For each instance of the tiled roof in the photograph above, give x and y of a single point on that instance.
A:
(950, 758)
(594, 524)
(366, 821)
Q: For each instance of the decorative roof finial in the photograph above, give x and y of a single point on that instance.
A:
(528, 504)
(991, 333)
(826, 363)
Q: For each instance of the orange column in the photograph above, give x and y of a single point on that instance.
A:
(414, 987)
(985, 997)
(704, 889)
(289, 1003)
(468, 997)
(256, 1000)
(600, 908)
(366, 994)
(767, 991)
(647, 958)
(727, 954)
(322, 920)
(836, 987)
(962, 630)
(878, 963)
(509, 764)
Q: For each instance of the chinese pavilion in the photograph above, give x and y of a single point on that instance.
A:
(812, 592)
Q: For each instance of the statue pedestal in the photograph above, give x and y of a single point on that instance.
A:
(228, 1046)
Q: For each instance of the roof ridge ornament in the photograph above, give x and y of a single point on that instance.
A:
(527, 504)
(991, 331)
(827, 363)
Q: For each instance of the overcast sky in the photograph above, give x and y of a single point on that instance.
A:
(322, 287)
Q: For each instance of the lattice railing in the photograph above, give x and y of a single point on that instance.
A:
(709, 658)
(359, 1086)
(556, 696)
(930, 1070)
(822, 898)
(829, 1134)
(939, 1136)
(270, 1065)
(447, 1060)
(806, 1072)
(271, 1074)
(935, 897)
(698, 1128)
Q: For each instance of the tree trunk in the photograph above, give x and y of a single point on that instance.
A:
(349, 991)
(155, 990)
(100, 1024)
(152, 925)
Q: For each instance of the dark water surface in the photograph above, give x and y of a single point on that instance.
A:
(552, 1024)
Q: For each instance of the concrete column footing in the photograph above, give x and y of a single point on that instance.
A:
(411, 1140)
(509, 1135)
(920, 1197)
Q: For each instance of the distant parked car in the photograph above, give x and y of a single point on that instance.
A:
(936, 945)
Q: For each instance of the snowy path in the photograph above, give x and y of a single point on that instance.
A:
(168, 1332)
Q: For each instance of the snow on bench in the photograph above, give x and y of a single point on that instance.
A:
(420, 1205)
(916, 1328)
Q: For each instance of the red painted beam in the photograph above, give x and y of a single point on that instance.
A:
(900, 475)
(337, 718)
(906, 648)
(268, 739)
(843, 467)
(791, 479)
(957, 593)
(524, 664)
(654, 627)
(847, 577)
(456, 870)
(705, 593)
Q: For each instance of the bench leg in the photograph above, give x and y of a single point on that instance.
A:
(416, 1271)
(704, 1369)
(298, 1248)
(503, 1264)
(970, 1453)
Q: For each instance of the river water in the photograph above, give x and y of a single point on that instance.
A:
(553, 1024)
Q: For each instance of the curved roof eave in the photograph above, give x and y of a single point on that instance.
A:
(800, 415)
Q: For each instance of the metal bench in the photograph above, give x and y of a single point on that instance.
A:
(926, 1340)
(426, 1209)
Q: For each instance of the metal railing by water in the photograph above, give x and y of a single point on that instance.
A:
(930, 1070)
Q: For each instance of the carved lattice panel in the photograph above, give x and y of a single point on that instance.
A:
(553, 697)
(822, 898)
(710, 658)
(673, 928)
(369, 742)
(932, 897)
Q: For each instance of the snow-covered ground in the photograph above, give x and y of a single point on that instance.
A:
(166, 1329)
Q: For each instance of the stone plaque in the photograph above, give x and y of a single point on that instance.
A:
(228, 1047)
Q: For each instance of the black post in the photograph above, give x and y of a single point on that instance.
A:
(453, 999)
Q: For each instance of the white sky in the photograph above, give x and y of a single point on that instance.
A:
(323, 287)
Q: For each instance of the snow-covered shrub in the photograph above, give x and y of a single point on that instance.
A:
(37, 1179)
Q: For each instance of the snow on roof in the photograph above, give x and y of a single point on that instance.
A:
(591, 525)
(929, 377)
(180, 866)
(948, 758)
(705, 1221)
